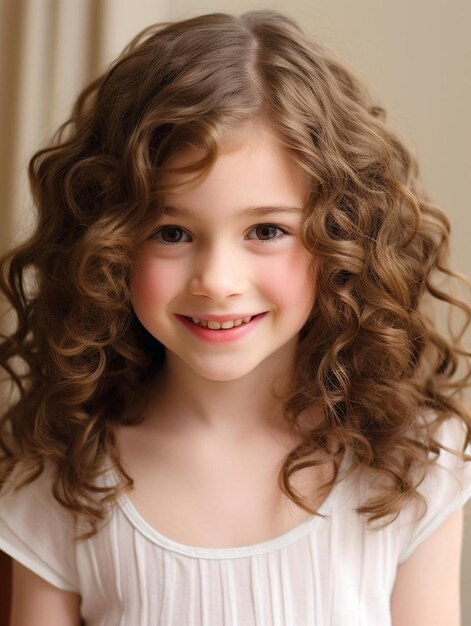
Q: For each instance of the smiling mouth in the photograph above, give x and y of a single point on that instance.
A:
(213, 325)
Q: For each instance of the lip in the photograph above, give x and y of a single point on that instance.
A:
(223, 335)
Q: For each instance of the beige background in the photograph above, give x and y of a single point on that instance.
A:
(415, 54)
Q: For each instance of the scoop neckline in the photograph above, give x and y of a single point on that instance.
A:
(262, 547)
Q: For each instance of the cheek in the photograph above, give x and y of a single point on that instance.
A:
(152, 284)
(290, 280)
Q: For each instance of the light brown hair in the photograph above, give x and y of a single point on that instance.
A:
(369, 355)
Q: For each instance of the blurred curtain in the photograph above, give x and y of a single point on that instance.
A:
(49, 50)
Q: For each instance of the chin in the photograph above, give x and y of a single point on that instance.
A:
(223, 375)
(223, 372)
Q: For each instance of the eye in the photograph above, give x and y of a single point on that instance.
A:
(169, 235)
(267, 232)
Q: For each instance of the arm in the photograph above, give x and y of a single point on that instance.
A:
(36, 602)
(427, 587)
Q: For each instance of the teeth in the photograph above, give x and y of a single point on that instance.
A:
(219, 325)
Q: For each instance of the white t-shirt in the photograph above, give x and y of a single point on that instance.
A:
(331, 571)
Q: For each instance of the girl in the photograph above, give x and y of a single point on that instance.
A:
(233, 405)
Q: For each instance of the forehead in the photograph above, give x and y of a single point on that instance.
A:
(252, 169)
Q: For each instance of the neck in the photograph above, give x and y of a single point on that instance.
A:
(183, 401)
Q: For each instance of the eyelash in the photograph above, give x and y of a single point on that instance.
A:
(283, 231)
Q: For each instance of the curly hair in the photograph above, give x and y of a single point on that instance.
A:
(370, 355)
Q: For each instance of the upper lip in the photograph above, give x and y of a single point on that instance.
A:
(222, 318)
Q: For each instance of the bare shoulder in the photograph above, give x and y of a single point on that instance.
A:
(427, 587)
(36, 602)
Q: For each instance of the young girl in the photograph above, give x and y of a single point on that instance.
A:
(233, 405)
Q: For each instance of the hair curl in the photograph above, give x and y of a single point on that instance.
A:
(370, 355)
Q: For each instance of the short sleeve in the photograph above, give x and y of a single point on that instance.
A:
(446, 488)
(37, 531)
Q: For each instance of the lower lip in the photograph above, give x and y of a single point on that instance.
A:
(222, 335)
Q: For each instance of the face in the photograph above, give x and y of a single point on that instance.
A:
(224, 252)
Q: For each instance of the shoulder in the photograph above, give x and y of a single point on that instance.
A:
(446, 487)
(16, 493)
(427, 586)
(36, 530)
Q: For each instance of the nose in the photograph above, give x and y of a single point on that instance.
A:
(218, 272)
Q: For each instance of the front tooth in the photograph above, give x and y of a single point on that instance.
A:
(228, 324)
(214, 325)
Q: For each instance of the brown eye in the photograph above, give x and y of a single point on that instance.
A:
(169, 234)
(268, 232)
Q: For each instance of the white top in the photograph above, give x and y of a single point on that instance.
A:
(325, 572)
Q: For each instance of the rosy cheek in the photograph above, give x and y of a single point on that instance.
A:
(155, 282)
(288, 279)
(146, 284)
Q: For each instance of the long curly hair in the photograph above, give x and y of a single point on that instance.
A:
(371, 354)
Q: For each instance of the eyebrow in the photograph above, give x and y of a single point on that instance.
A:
(248, 212)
